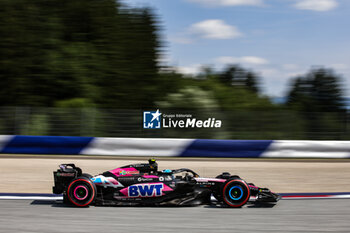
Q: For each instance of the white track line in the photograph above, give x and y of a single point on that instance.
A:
(329, 197)
(29, 198)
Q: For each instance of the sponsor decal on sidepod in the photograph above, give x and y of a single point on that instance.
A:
(145, 190)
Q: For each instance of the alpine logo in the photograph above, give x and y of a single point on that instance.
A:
(146, 190)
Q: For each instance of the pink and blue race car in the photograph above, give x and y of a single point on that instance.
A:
(143, 185)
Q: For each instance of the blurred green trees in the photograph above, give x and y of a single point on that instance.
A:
(54, 50)
(318, 91)
(318, 97)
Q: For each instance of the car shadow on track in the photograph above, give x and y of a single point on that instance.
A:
(261, 205)
(60, 204)
(249, 205)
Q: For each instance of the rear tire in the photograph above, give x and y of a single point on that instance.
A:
(235, 192)
(81, 192)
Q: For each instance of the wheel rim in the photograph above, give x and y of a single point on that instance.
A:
(236, 193)
(80, 192)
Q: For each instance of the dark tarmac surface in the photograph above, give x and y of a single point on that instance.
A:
(287, 216)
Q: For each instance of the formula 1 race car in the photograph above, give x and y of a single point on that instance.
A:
(142, 184)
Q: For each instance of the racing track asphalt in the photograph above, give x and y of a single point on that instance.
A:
(287, 216)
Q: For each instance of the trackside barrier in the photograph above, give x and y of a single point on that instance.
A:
(173, 147)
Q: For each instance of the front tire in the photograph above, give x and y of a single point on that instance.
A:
(81, 192)
(235, 193)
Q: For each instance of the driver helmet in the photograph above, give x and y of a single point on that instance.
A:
(153, 164)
